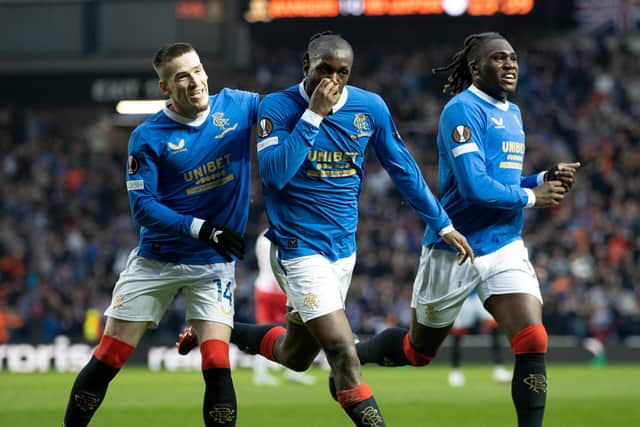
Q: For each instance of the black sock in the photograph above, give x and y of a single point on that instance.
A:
(529, 389)
(87, 392)
(385, 348)
(248, 336)
(220, 407)
(456, 354)
(366, 413)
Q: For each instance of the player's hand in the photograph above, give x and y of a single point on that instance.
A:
(324, 97)
(225, 241)
(563, 172)
(549, 194)
(459, 242)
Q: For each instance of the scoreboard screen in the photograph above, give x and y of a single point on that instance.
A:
(267, 10)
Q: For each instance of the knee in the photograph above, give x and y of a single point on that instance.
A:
(298, 364)
(532, 339)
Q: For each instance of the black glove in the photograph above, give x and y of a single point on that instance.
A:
(555, 174)
(224, 240)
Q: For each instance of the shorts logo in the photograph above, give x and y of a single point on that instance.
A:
(264, 128)
(118, 301)
(536, 382)
(292, 243)
(222, 414)
(311, 301)
(132, 165)
(430, 311)
(461, 134)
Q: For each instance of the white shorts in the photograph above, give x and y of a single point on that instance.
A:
(471, 312)
(146, 287)
(441, 285)
(314, 285)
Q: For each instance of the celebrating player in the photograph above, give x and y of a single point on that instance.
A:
(188, 183)
(312, 139)
(481, 146)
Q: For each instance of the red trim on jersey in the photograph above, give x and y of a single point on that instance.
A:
(113, 352)
(532, 339)
(269, 341)
(354, 396)
(215, 354)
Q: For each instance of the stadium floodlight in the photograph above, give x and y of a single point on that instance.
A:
(455, 7)
(130, 106)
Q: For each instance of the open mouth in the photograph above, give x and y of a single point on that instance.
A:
(509, 78)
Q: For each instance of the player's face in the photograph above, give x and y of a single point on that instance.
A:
(185, 82)
(334, 64)
(497, 70)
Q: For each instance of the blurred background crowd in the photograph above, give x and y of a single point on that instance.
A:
(66, 230)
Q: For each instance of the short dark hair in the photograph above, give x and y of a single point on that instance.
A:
(459, 74)
(322, 40)
(168, 52)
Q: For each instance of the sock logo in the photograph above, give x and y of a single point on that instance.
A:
(371, 417)
(86, 401)
(222, 414)
(536, 382)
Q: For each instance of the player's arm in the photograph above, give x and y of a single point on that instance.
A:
(461, 135)
(281, 152)
(142, 187)
(405, 173)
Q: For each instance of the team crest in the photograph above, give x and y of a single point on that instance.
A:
(223, 123)
(536, 382)
(222, 414)
(311, 301)
(264, 128)
(86, 401)
(461, 133)
(132, 165)
(362, 125)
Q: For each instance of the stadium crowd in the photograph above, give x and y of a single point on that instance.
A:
(66, 230)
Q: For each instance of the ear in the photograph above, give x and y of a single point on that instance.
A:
(164, 87)
(474, 69)
(305, 64)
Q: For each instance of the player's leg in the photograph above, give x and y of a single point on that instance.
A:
(140, 297)
(90, 386)
(440, 287)
(219, 406)
(270, 308)
(456, 377)
(520, 316)
(209, 308)
(512, 295)
(334, 334)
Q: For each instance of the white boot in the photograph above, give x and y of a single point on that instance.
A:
(501, 375)
(299, 377)
(456, 378)
(261, 375)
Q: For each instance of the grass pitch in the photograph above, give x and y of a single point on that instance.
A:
(579, 396)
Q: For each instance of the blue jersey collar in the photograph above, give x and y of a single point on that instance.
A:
(341, 101)
(502, 105)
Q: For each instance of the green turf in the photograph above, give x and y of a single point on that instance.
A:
(579, 396)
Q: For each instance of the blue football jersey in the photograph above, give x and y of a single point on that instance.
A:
(481, 146)
(312, 170)
(180, 169)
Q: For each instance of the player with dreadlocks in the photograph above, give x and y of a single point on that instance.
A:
(481, 145)
(312, 139)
